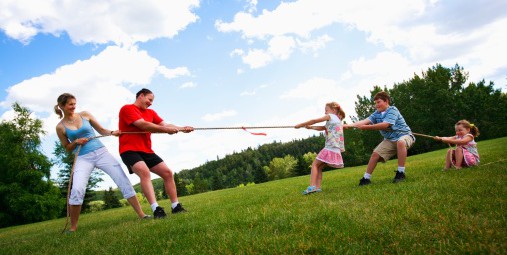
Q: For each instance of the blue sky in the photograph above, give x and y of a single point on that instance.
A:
(233, 63)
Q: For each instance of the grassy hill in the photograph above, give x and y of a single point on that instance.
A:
(431, 212)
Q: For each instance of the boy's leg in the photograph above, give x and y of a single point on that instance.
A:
(375, 157)
(402, 145)
(402, 153)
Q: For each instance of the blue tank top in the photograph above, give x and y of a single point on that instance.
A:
(86, 130)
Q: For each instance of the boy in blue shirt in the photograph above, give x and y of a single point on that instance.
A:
(397, 136)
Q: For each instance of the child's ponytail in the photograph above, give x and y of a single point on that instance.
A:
(474, 130)
(338, 108)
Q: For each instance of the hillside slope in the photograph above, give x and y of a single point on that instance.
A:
(433, 211)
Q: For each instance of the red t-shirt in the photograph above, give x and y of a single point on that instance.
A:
(136, 142)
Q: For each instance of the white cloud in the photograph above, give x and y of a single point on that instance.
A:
(314, 45)
(92, 81)
(173, 73)
(248, 93)
(251, 5)
(428, 31)
(313, 89)
(120, 22)
(253, 92)
(280, 48)
(257, 58)
(187, 85)
(219, 116)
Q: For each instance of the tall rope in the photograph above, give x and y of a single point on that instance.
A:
(68, 188)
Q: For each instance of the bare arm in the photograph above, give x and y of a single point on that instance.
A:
(378, 126)
(357, 124)
(307, 124)
(454, 140)
(184, 129)
(96, 125)
(318, 128)
(154, 128)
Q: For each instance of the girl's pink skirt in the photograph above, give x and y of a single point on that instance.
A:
(331, 158)
(468, 158)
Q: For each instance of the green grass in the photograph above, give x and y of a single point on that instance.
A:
(432, 212)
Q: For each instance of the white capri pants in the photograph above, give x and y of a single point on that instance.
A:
(103, 160)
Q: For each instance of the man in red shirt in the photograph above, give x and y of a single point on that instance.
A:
(136, 152)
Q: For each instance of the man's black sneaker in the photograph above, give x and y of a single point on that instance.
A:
(364, 181)
(159, 213)
(178, 209)
(400, 176)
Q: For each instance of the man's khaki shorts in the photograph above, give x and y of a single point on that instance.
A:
(387, 149)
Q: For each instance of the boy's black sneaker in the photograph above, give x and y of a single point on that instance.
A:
(159, 213)
(364, 181)
(400, 176)
(178, 209)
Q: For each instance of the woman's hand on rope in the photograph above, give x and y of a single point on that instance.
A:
(116, 132)
(81, 141)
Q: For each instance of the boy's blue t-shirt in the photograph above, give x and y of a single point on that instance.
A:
(398, 127)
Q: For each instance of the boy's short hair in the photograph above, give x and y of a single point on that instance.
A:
(382, 95)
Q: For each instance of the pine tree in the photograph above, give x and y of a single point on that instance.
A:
(110, 199)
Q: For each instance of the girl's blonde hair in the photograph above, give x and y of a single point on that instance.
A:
(474, 130)
(62, 101)
(336, 106)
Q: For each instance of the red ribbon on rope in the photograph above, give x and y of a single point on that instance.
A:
(253, 132)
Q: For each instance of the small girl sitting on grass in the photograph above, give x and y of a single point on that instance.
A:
(465, 154)
(331, 154)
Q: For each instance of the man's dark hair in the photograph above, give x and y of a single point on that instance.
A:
(144, 92)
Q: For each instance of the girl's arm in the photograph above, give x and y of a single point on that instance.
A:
(311, 122)
(456, 141)
(96, 125)
(318, 128)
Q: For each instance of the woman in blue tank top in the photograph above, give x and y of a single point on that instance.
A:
(76, 129)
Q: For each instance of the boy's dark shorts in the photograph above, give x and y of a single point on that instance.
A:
(130, 158)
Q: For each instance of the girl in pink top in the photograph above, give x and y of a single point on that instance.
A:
(331, 154)
(465, 154)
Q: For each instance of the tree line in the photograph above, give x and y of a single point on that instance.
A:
(431, 103)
